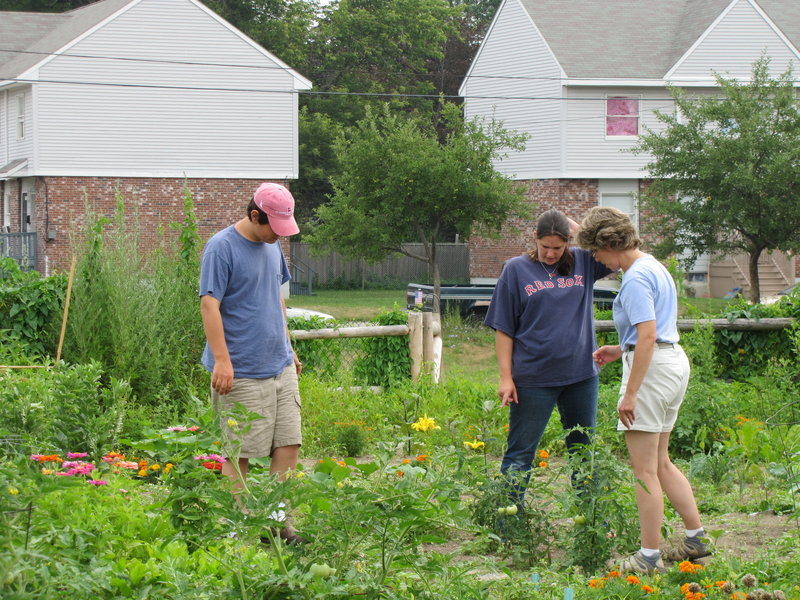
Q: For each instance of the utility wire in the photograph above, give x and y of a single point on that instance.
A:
(321, 92)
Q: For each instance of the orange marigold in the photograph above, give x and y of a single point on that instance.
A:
(596, 583)
(543, 464)
(406, 461)
(401, 474)
(544, 454)
(647, 589)
(423, 457)
(695, 596)
(633, 580)
(614, 573)
(689, 567)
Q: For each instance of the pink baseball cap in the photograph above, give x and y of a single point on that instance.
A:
(277, 202)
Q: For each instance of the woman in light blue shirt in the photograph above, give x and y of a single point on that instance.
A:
(655, 374)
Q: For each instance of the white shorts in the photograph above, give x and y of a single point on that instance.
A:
(661, 393)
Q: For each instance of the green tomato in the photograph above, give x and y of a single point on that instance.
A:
(322, 570)
(512, 510)
(579, 520)
(501, 511)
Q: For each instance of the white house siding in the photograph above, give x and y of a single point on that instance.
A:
(590, 154)
(528, 101)
(734, 44)
(243, 124)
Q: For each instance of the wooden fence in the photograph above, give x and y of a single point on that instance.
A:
(453, 265)
(424, 339)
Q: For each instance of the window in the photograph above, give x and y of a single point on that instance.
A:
(21, 116)
(622, 116)
(623, 202)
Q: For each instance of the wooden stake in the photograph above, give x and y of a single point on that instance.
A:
(66, 309)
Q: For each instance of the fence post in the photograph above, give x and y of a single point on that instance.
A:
(427, 339)
(415, 343)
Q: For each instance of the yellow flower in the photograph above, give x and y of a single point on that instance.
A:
(425, 423)
(155, 467)
(168, 468)
(142, 473)
(47, 471)
(232, 423)
(13, 491)
(300, 474)
(474, 444)
(339, 484)
(544, 454)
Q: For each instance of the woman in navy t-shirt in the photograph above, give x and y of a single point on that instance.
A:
(543, 318)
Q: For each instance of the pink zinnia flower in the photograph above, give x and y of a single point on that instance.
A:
(176, 428)
(77, 454)
(212, 457)
(97, 482)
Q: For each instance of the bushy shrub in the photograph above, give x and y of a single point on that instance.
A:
(138, 313)
(66, 408)
(31, 309)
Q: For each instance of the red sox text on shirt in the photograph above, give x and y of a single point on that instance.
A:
(561, 282)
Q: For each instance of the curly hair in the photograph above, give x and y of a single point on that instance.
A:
(554, 222)
(607, 228)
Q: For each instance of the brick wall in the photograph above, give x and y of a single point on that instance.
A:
(571, 196)
(61, 201)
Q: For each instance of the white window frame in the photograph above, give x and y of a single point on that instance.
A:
(638, 115)
(21, 116)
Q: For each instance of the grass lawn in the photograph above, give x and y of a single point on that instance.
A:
(351, 305)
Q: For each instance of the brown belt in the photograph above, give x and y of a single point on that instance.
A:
(632, 347)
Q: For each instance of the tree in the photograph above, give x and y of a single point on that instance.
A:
(399, 183)
(726, 170)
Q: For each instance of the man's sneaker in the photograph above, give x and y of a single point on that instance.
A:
(639, 563)
(288, 534)
(689, 548)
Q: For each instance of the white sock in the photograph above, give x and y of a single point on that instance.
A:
(279, 515)
(694, 532)
(649, 552)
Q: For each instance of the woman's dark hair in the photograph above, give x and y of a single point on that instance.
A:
(263, 219)
(554, 222)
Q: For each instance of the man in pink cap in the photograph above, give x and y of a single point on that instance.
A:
(248, 350)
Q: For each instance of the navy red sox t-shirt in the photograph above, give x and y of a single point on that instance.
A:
(550, 318)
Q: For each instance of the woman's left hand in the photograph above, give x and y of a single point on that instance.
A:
(627, 410)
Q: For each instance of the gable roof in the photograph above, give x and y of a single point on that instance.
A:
(34, 37)
(636, 39)
(41, 34)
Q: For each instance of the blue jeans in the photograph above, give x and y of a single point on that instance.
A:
(577, 406)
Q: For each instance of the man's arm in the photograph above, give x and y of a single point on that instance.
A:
(222, 377)
(297, 364)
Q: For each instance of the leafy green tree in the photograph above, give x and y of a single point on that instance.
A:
(725, 170)
(400, 183)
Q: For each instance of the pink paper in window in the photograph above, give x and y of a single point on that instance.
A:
(622, 126)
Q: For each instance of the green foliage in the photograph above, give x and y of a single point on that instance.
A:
(351, 439)
(138, 314)
(31, 309)
(322, 357)
(384, 361)
(745, 353)
(731, 162)
(66, 408)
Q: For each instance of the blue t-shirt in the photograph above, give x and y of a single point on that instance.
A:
(647, 293)
(246, 278)
(550, 319)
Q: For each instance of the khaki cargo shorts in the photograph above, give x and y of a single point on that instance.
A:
(661, 393)
(275, 399)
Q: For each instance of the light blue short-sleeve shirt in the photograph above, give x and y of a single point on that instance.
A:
(246, 278)
(647, 293)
